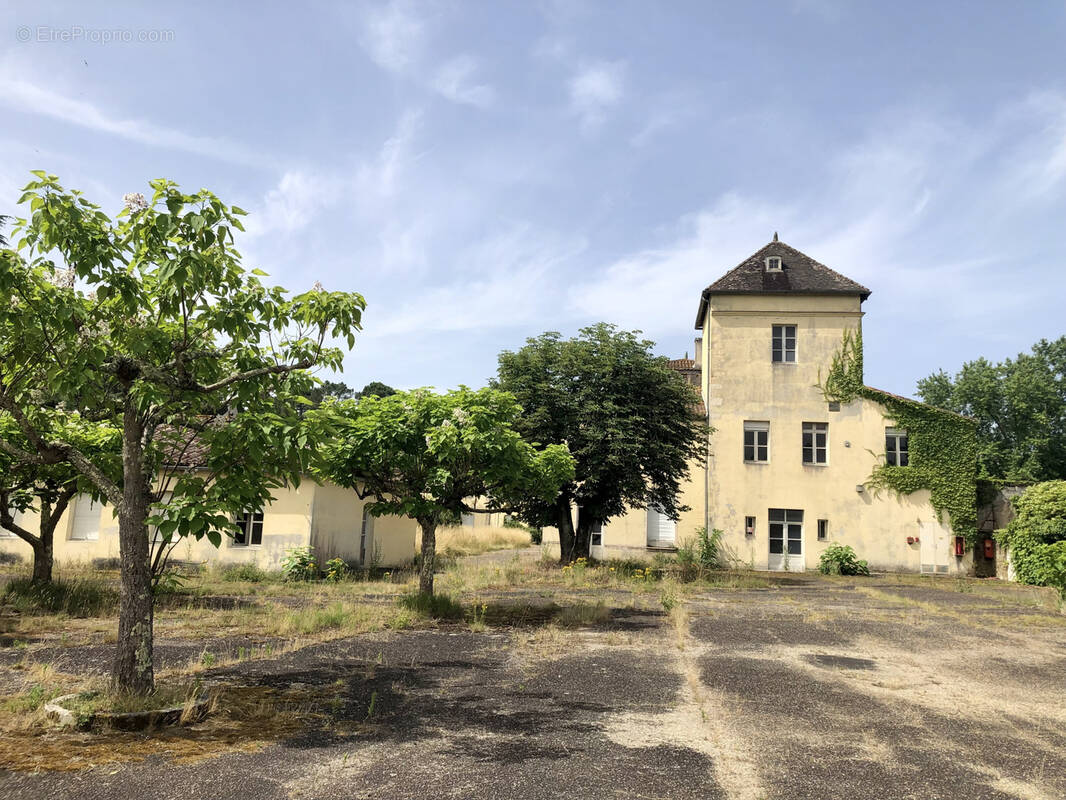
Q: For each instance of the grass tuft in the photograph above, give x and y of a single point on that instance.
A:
(76, 598)
(435, 606)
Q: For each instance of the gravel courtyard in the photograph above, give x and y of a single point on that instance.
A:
(817, 688)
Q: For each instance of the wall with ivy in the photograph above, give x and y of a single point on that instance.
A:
(942, 445)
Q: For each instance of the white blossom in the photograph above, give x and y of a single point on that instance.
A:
(135, 201)
(63, 278)
(317, 287)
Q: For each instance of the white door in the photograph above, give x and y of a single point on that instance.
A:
(86, 519)
(933, 548)
(786, 540)
(662, 531)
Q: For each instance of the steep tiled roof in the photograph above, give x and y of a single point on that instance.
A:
(800, 274)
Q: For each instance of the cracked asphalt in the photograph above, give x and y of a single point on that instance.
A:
(827, 689)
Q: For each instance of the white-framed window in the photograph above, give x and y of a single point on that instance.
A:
(756, 442)
(783, 344)
(85, 526)
(596, 535)
(823, 530)
(896, 448)
(250, 523)
(786, 531)
(749, 526)
(815, 443)
(773, 263)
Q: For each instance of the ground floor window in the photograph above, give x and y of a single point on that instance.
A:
(250, 525)
(596, 537)
(823, 530)
(86, 524)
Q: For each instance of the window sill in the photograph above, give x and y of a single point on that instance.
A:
(819, 466)
(757, 463)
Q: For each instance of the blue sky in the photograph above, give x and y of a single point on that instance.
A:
(483, 172)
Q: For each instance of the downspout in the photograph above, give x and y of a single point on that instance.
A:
(705, 364)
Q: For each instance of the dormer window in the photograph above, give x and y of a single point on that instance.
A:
(773, 264)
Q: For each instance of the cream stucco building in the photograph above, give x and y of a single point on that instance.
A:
(786, 471)
(332, 520)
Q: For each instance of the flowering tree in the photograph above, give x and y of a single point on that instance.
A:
(425, 455)
(148, 323)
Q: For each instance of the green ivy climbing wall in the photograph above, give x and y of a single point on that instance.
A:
(942, 445)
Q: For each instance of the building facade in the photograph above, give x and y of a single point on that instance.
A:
(332, 520)
(788, 469)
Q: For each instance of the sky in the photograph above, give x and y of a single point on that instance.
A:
(483, 172)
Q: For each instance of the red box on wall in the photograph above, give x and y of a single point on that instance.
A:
(960, 545)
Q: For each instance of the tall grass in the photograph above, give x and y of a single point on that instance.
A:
(459, 541)
(78, 597)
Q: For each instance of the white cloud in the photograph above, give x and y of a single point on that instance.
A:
(33, 98)
(302, 194)
(650, 288)
(455, 81)
(595, 89)
(393, 35)
(500, 281)
(397, 35)
(906, 211)
(293, 203)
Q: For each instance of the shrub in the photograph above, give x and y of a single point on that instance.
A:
(77, 598)
(536, 535)
(299, 564)
(704, 551)
(249, 573)
(10, 558)
(336, 570)
(840, 559)
(1036, 538)
(171, 581)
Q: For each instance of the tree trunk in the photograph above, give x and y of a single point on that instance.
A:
(429, 556)
(583, 535)
(42, 543)
(132, 671)
(565, 524)
(42, 558)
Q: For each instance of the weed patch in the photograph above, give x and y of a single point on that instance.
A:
(75, 598)
(436, 606)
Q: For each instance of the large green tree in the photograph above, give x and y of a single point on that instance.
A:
(149, 323)
(47, 489)
(1020, 408)
(425, 455)
(628, 419)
